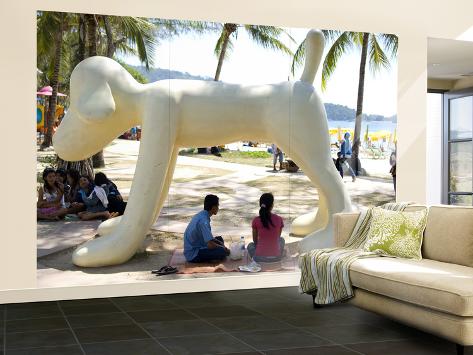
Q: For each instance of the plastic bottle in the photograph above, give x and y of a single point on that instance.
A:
(242, 246)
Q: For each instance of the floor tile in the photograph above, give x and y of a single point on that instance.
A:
(38, 311)
(25, 325)
(197, 300)
(405, 347)
(204, 344)
(356, 333)
(110, 333)
(90, 309)
(161, 315)
(59, 350)
(84, 302)
(247, 323)
(223, 311)
(92, 320)
(134, 347)
(179, 328)
(320, 350)
(313, 318)
(142, 303)
(30, 305)
(277, 339)
(281, 307)
(39, 339)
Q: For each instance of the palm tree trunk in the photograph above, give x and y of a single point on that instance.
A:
(108, 31)
(91, 35)
(82, 39)
(356, 164)
(228, 29)
(84, 167)
(97, 159)
(51, 115)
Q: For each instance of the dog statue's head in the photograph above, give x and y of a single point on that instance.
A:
(105, 102)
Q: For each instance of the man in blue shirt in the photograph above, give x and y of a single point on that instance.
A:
(345, 153)
(199, 243)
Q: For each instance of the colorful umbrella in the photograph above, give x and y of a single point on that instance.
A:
(48, 91)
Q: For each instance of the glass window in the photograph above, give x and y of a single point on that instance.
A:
(461, 164)
(461, 200)
(461, 113)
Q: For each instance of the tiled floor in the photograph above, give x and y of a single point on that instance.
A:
(264, 321)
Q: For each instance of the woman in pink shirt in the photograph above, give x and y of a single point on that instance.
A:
(267, 243)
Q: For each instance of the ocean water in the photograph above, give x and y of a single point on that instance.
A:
(373, 126)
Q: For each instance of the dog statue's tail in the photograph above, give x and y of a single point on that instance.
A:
(314, 48)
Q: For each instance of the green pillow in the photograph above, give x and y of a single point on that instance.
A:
(396, 233)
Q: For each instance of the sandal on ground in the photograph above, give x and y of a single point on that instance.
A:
(165, 270)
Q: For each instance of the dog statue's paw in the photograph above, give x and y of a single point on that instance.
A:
(107, 227)
(305, 224)
(317, 240)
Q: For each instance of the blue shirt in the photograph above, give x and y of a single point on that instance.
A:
(197, 234)
(345, 149)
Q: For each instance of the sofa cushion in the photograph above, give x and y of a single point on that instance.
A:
(429, 283)
(396, 233)
(448, 236)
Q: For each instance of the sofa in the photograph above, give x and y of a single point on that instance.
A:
(434, 294)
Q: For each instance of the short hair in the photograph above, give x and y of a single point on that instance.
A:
(210, 201)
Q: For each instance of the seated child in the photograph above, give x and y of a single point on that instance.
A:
(95, 200)
(50, 204)
(267, 243)
(115, 200)
(72, 196)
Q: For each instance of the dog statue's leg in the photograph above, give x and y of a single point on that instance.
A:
(167, 183)
(312, 221)
(154, 158)
(334, 198)
(109, 225)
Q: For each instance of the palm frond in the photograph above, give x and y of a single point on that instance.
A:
(267, 37)
(140, 34)
(219, 44)
(390, 43)
(173, 28)
(378, 58)
(298, 57)
(331, 35)
(340, 46)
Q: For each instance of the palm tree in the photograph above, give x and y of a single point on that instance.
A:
(133, 35)
(265, 36)
(377, 47)
(51, 27)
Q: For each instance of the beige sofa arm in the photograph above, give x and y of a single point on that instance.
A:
(343, 224)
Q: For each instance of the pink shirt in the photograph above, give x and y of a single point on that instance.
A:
(268, 238)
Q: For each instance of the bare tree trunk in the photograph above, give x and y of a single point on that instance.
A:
(356, 164)
(108, 31)
(82, 39)
(51, 115)
(84, 167)
(91, 35)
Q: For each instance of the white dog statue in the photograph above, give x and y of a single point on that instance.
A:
(106, 101)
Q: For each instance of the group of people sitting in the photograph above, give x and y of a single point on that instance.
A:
(69, 193)
(201, 246)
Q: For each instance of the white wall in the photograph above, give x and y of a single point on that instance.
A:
(412, 21)
(434, 149)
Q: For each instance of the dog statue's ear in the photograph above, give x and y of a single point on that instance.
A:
(97, 103)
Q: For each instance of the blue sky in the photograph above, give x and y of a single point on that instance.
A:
(251, 64)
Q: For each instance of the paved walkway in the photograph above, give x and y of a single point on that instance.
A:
(121, 158)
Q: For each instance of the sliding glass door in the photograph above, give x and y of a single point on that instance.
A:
(458, 148)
